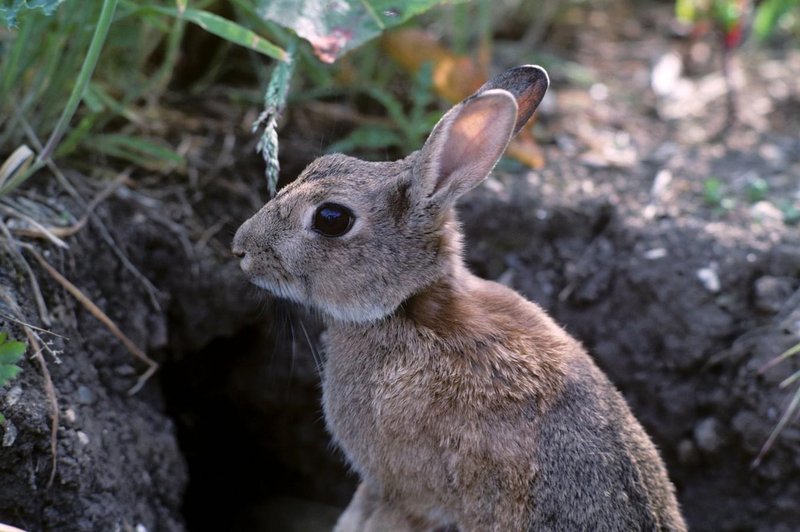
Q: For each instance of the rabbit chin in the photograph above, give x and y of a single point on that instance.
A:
(355, 312)
(278, 289)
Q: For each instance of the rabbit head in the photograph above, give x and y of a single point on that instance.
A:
(355, 239)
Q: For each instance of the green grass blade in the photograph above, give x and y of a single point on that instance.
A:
(228, 30)
(89, 64)
(138, 150)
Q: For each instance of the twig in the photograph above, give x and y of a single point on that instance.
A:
(30, 326)
(13, 247)
(71, 230)
(42, 232)
(49, 388)
(103, 318)
(52, 399)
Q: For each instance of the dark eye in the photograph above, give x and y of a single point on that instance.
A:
(332, 219)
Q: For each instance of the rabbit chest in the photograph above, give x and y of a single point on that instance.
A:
(419, 423)
(379, 405)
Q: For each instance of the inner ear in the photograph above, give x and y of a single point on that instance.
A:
(466, 146)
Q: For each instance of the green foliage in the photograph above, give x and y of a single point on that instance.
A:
(770, 13)
(715, 194)
(404, 131)
(729, 14)
(334, 28)
(48, 66)
(11, 352)
(791, 213)
(11, 9)
(226, 29)
(757, 190)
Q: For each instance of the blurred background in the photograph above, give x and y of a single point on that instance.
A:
(652, 207)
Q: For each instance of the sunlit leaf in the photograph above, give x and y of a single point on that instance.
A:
(334, 27)
(769, 13)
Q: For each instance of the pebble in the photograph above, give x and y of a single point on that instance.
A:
(655, 253)
(85, 395)
(710, 279)
(10, 434)
(707, 434)
(13, 396)
(82, 437)
(764, 211)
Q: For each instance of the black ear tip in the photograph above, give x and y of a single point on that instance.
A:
(519, 80)
(536, 73)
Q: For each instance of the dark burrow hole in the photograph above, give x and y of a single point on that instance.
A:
(250, 426)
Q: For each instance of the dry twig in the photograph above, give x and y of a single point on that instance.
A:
(49, 389)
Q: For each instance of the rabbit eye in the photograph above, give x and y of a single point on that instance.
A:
(332, 219)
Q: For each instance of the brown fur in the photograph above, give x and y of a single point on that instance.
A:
(459, 403)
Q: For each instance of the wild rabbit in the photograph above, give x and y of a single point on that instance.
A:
(460, 404)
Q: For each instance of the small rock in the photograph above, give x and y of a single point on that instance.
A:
(10, 434)
(764, 211)
(13, 396)
(85, 395)
(710, 279)
(655, 253)
(70, 416)
(83, 438)
(141, 528)
(660, 183)
(771, 293)
(666, 73)
(707, 434)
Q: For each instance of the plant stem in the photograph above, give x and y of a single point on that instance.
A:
(89, 64)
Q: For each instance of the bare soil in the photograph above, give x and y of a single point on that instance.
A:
(681, 295)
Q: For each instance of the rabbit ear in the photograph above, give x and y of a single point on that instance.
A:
(527, 84)
(465, 145)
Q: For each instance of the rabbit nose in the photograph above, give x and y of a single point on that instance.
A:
(239, 241)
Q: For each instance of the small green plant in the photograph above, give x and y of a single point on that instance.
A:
(791, 212)
(10, 353)
(757, 190)
(715, 195)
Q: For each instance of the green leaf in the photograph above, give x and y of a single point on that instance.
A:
(138, 150)
(228, 30)
(8, 373)
(768, 15)
(12, 8)
(11, 352)
(333, 27)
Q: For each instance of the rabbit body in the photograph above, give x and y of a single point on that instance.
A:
(472, 407)
(460, 404)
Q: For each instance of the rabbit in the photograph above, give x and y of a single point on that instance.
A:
(460, 404)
